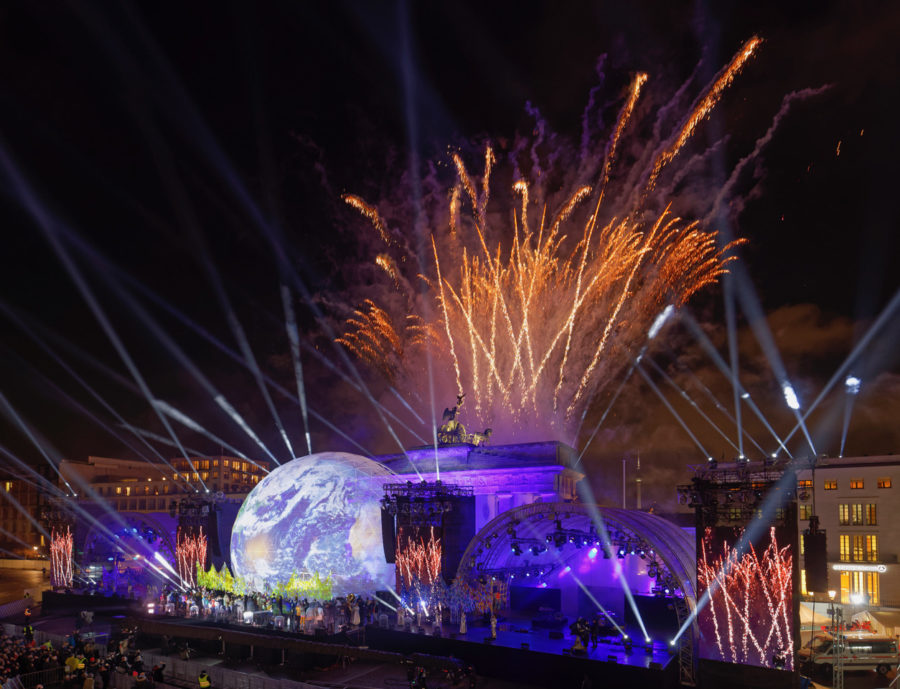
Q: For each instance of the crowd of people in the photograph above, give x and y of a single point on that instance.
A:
(80, 662)
(299, 615)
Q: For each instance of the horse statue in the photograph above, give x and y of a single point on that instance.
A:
(481, 438)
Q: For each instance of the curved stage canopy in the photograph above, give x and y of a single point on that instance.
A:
(544, 541)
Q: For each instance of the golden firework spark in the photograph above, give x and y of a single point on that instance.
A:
(534, 323)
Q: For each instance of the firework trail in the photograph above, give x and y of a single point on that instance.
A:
(61, 563)
(751, 599)
(532, 318)
(190, 554)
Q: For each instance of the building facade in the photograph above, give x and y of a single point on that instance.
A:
(21, 502)
(502, 476)
(137, 486)
(858, 505)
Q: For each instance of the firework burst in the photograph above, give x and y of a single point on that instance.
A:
(533, 318)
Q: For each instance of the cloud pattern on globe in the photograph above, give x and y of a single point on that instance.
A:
(315, 514)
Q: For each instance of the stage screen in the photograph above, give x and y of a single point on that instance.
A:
(749, 616)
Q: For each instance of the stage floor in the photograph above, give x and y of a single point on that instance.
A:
(513, 635)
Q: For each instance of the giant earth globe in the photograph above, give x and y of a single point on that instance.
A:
(315, 515)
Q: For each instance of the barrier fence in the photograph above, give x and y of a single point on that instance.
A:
(16, 607)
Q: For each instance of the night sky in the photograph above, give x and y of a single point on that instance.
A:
(150, 131)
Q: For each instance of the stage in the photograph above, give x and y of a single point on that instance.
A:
(528, 656)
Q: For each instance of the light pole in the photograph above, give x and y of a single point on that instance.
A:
(837, 643)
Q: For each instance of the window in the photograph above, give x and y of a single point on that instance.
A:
(118, 490)
(856, 515)
(872, 588)
(872, 547)
(845, 547)
(856, 483)
(805, 483)
(830, 485)
(884, 482)
(226, 463)
(859, 548)
(871, 515)
(8, 485)
(844, 515)
(803, 582)
(805, 511)
(215, 462)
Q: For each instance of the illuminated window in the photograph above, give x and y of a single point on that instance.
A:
(215, 474)
(845, 547)
(204, 475)
(255, 479)
(856, 483)
(856, 515)
(734, 513)
(844, 514)
(8, 485)
(830, 485)
(871, 515)
(805, 483)
(805, 512)
(245, 466)
(118, 490)
(872, 547)
(215, 462)
(803, 582)
(166, 488)
(127, 490)
(859, 547)
(857, 584)
(873, 588)
(802, 546)
(226, 463)
(884, 482)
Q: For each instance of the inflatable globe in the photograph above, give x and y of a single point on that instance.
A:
(315, 515)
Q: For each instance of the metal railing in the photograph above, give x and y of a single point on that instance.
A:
(15, 607)
(52, 677)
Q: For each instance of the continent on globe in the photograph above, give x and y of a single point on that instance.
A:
(319, 514)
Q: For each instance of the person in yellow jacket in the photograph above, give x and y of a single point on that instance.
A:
(203, 680)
